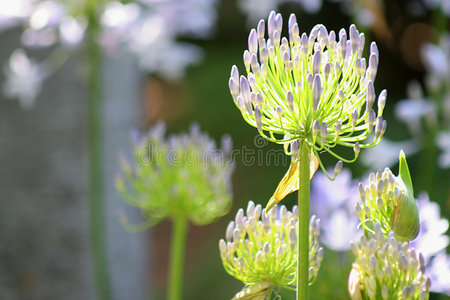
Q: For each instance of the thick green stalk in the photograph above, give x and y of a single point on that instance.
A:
(303, 222)
(95, 141)
(177, 250)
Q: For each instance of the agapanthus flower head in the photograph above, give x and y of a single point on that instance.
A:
(261, 247)
(386, 269)
(182, 175)
(315, 88)
(388, 201)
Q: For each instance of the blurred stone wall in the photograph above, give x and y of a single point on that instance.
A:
(44, 218)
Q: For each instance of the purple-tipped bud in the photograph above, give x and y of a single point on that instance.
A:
(316, 63)
(263, 71)
(276, 38)
(234, 89)
(279, 22)
(378, 127)
(253, 42)
(338, 128)
(279, 111)
(294, 147)
(332, 41)
(343, 42)
(354, 38)
(354, 118)
(373, 66)
(363, 67)
(310, 79)
(235, 74)
(240, 102)
(264, 54)
(247, 60)
(356, 148)
(229, 232)
(381, 102)
(285, 43)
(223, 248)
(292, 21)
(292, 238)
(371, 119)
(260, 29)
(316, 92)
(338, 168)
(361, 42)
(294, 34)
(323, 132)
(286, 57)
(337, 69)
(252, 81)
(271, 24)
(290, 100)
(245, 88)
(254, 64)
(316, 128)
(326, 70)
(271, 52)
(374, 49)
(370, 96)
(258, 118)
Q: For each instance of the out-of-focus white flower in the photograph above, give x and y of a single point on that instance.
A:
(24, 78)
(437, 62)
(334, 203)
(12, 12)
(438, 270)
(386, 153)
(72, 31)
(257, 9)
(443, 142)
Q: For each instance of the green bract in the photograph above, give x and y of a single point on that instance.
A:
(388, 200)
(311, 88)
(257, 251)
(386, 269)
(182, 175)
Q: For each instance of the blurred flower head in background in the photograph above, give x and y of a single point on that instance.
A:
(182, 175)
(147, 29)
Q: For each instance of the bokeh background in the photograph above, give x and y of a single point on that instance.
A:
(44, 239)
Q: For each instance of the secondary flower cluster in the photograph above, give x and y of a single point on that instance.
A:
(316, 88)
(388, 201)
(386, 269)
(264, 250)
(182, 175)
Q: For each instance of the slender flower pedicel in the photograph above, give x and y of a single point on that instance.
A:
(309, 93)
(261, 248)
(387, 269)
(388, 200)
(185, 178)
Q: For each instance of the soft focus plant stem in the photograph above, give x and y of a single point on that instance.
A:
(95, 141)
(177, 250)
(303, 222)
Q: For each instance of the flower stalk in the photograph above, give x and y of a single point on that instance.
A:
(303, 222)
(177, 252)
(95, 141)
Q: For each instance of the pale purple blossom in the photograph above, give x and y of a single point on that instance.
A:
(436, 59)
(334, 203)
(443, 142)
(438, 270)
(386, 153)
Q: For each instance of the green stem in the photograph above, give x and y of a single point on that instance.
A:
(176, 263)
(303, 222)
(95, 141)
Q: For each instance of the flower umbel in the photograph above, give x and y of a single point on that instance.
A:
(388, 200)
(182, 175)
(256, 251)
(312, 88)
(386, 269)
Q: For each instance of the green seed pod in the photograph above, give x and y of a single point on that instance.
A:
(405, 220)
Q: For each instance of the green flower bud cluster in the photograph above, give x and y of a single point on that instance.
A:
(316, 88)
(182, 175)
(262, 247)
(388, 200)
(386, 269)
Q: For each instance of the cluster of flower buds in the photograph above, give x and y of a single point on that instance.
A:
(385, 269)
(261, 247)
(182, 175)
(316, 88)
(388, 200)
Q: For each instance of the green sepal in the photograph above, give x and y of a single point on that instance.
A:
(405, 220)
